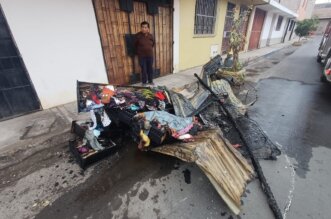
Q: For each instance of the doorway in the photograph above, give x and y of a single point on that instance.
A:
(116, 20)
(258, 21)
(17, 94)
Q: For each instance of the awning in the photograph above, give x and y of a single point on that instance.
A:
(254, 2)
(275, 7)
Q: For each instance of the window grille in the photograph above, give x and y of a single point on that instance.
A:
(205, 16)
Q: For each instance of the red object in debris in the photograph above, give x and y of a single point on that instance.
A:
(95, 99)
(159, 95)
(328, 71)
(236, 145)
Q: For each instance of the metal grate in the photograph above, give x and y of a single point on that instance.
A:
(205, 16)
(17, 95)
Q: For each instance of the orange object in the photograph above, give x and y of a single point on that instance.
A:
(106, 95)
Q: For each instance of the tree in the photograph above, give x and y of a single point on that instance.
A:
(305, 26)
(237, 38)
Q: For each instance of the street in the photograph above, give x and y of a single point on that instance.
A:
(293, 108)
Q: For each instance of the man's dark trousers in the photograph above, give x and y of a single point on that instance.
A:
(146, 64)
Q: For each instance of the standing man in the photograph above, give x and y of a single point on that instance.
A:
(144, 43)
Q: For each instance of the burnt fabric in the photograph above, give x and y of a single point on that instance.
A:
(90, 137)
(174, 122)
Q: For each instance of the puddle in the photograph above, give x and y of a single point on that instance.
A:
(187, 176)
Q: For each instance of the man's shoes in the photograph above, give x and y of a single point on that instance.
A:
(148, 84)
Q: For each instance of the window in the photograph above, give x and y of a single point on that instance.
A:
(243, 10)
(291, 25)
(229, 9)
(205, 16)
(279, 22)
(228, 20)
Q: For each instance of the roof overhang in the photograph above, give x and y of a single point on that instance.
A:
(254, 2)
(275, 7)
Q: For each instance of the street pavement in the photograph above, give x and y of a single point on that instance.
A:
(293, 109)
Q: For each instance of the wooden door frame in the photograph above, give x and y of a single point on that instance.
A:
(171, 24)
(253, 19)
(99, 34)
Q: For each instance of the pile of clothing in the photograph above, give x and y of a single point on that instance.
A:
(149, 114)
(90, 141)
(124, 98)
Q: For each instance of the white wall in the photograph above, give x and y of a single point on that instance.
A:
(279, 33)
(176, 23)
(270, 27)
(266, 29)
(59, 43)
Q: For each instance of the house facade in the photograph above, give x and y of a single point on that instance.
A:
(323, 13)
(276, 22)
(60, 42)
(47, 45)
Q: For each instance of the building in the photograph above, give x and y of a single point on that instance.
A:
(323, 13)
(271, 22)
(304, 8)
(204, 29)
(47, 45)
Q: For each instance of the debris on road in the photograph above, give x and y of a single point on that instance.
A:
(224, 166)
(182, 122)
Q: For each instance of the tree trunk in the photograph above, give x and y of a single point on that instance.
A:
(235, 60)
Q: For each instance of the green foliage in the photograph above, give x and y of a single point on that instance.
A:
(305, 26)
(315, 22)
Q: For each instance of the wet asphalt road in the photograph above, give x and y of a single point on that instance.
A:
(293, 109)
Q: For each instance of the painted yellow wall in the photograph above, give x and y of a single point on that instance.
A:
(195, 50)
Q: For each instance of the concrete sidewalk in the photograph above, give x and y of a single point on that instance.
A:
(246, 58)
(250, 56)
(25, 135)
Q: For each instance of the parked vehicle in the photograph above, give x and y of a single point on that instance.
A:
(326, 76)
(324, 50)
(324, 54)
